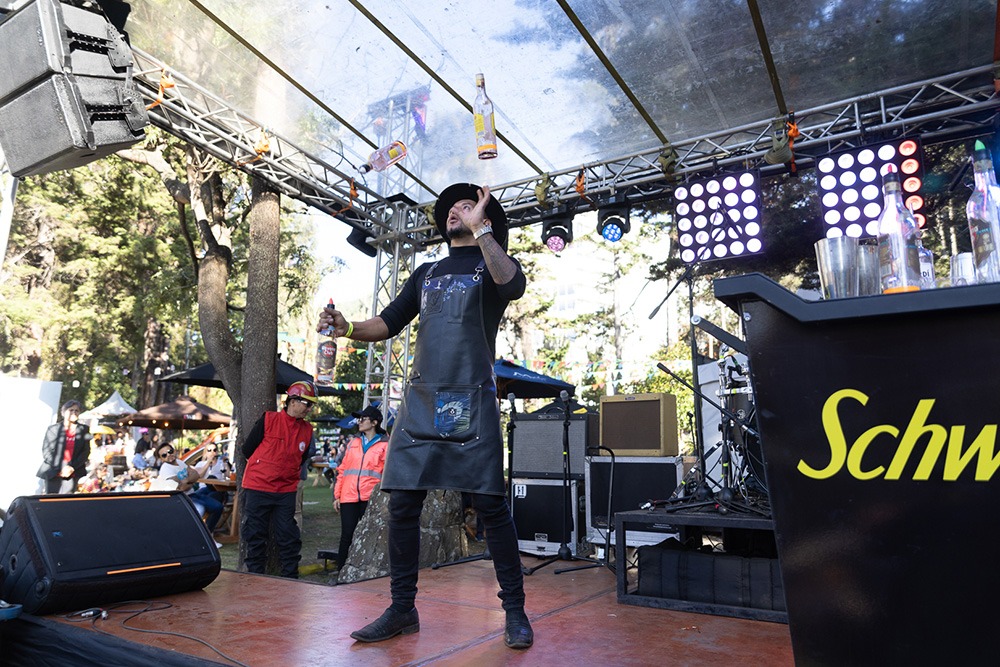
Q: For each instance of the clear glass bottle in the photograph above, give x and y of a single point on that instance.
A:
(984, 217)
(486, 133)
(326, 356)
(898, 256)
(927, 278)
(384, 157)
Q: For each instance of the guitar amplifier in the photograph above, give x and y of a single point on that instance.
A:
(538, 444)
(537, 507)
(636, 481)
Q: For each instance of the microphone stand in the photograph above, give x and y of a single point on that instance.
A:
(606, 561)
(724, 502)
(565, 552)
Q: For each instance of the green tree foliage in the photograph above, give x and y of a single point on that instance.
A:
(93, 257)
(677, 358)
(99, 263)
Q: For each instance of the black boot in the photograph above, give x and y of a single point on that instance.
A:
(388, 625)
(517, 633)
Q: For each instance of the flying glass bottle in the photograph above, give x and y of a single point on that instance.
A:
(486, 133)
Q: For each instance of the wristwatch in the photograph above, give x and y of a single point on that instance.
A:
(485, 229)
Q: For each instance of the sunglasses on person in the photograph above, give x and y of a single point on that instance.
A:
(302, 401)
(365, 419)
(210, 450)
(165, 453)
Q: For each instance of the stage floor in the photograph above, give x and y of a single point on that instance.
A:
(267, 621)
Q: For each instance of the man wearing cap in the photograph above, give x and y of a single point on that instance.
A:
(358, 474)
(447, 435)
(276, 448)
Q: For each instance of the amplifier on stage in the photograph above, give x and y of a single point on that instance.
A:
(537, 506)
(538, 444)
(637, 480)
(639, 424)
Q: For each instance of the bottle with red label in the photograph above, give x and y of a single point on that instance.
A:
(326, 356)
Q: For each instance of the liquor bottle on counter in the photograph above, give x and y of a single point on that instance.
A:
(384, 157)
(898, 256)
(326, 356)
(486, 133)
(927, 278)
(984, 216)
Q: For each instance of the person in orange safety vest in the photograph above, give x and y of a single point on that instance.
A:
(358, 474)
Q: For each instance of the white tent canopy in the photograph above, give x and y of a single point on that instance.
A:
(113, 407)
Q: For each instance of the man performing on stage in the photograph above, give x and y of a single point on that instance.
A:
(447, 435)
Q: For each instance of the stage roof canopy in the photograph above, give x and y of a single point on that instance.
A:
(573, 81)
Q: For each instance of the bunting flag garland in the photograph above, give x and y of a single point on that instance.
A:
(625, 371)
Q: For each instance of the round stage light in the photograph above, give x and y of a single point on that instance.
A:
(825, 166)
(868, 174)
(828, 182)
(849, 196)
(908, 147)
(909, 166)
(729, 183)
(912, 184)
(830, 199)
(845, 161)
(914, 202)
(681, 193)
(886, 152)
(866, 156)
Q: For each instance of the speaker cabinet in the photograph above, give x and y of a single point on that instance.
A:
(538, 444)
(66, 93)
(537, 507)
(639, 424)
(64, 553)
(636, 481)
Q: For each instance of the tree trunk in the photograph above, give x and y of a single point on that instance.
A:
(260, 332)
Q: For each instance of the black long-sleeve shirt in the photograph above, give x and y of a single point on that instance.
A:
(461, 260)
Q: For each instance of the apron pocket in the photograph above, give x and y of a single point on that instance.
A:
(448, 413)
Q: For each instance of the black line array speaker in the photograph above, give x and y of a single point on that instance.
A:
(66, 91)
(538, 444)
(64, 553)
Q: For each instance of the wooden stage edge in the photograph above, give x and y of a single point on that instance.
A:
(266, 621)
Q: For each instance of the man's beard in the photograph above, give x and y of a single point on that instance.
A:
(459, 232)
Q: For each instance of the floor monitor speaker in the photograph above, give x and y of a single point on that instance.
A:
(64, 553)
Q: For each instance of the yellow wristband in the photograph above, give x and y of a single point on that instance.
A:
(350, 329)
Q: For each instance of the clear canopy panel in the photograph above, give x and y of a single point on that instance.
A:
(342, 77)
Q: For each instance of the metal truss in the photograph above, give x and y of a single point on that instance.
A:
(935, 108)
(388, 361)
(208, 122)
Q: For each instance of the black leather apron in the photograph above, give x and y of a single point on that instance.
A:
(447, 435)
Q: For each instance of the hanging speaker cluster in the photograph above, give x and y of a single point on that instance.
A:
(66, 91)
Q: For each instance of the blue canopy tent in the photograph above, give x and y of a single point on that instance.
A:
(524, 383)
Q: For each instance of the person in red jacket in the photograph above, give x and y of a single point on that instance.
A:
(359, 473)
(276, 448)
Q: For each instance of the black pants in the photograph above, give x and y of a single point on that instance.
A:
(350, 516)
(263, 511)
(404, 547)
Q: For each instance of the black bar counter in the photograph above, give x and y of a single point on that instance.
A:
(878, 422)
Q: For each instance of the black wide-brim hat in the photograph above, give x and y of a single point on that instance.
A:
(459, 191)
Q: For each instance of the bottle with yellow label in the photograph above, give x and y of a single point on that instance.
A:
(898, 254)
(486, 133)
(384, 157)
